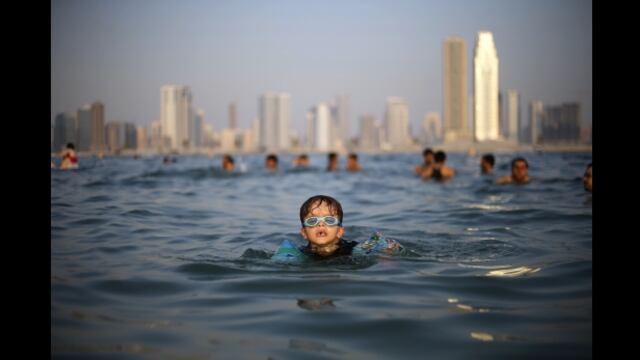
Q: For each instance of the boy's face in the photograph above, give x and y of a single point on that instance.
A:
(321, 234)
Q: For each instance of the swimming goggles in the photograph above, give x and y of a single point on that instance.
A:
(315, 221)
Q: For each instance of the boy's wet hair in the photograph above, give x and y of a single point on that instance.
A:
(303, 157)
(514, 161)
(317, 200)
(70, 146)
(332, 156)
(440, 156)
(228, 158)
(353, 156)
(489, 158)
(427, 151)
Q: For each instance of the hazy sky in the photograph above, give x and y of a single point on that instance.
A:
(121, 52)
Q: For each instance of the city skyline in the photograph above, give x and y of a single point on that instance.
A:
(236, 51)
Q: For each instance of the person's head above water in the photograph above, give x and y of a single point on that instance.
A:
(70, 146)
(302, 160)
(227, 162)
(520, 170)
(332, 161)
(486, 163)
(440, 157)
(352, 163)
(587, 178)
(321, 219)
(271, 162)
(427, 156)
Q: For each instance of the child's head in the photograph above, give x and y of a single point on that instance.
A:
(427, 155)
(271, 162)
(227, 162)
(321, 218)
(332, 161)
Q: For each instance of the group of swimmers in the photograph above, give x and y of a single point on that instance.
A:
(301, 161)
(433, 166)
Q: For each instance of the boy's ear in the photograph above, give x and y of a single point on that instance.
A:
(303, 233)
(340, 231)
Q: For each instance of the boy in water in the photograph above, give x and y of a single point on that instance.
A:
(321, 218)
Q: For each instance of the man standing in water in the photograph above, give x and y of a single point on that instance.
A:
(519, 172)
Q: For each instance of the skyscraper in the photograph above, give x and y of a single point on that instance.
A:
(319, 127)
(97, 128)
(84, 128)
(196, 130)
(275, 111)
(233, 120)
(561, 124)
(536, 115)
(64, 130)
(368, 132)
(455, 90)
(115, 136)
(175, 115)
(397, 122)
(130, 136)
(513, 115)
(141, 138)
(485, 88)
(431, 128)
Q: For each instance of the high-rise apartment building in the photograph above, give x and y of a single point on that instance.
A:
(397, 122)
(275, 112)
(455, 90)
(233, 116)
(369, 131)
(176, 115)
(536, 115)
(83, 136)
(513, 115)
(97, 128)
(485, 88)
